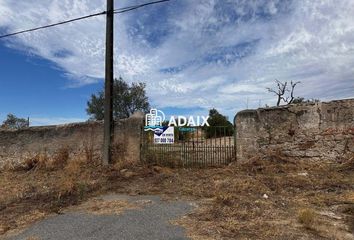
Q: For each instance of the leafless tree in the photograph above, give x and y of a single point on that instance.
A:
(281, 91)
(293, 85)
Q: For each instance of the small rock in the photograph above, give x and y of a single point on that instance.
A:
(330, 215)
(129, 174)
(123, 170)
(265, 196)
(157, 169)
(144, 201)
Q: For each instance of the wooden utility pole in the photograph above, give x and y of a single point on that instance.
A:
(108, 110)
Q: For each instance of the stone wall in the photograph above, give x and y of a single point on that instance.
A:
(76, 138)
(316, 131)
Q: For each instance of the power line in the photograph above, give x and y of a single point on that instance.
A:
(53, 25)
(116, 11)
(127, 9)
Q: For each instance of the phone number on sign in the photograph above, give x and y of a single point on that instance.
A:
(163, 140)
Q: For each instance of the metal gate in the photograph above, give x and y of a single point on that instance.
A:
(192, 147)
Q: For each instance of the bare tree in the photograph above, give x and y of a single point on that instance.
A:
(293, 85)
(282, 90)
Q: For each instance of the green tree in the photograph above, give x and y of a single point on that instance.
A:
(13, 122)
(219, 125)
(127, 99)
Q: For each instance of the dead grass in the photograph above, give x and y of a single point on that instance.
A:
(32, 162)
(306, 217)
(104, 207)
(231, 199)
(44, 187)
(43, 161)
(239, 210)
(348, 164)
(120, 165)
(60, 159)
(351, 223)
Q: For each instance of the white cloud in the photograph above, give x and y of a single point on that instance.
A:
(44, 121)
(307, 41)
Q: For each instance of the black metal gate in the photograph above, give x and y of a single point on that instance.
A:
(192, 147)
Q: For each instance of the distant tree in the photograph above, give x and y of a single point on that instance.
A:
(219, 125)
(13, 122)
(127, 99)
(282, 89)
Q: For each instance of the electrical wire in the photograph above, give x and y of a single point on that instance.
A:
(127, 9)
(116, 11)
(53, 25)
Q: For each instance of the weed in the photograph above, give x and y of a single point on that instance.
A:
(38, 160)
(230, 199)
(67, 187)
(88, 151)
(224, 199)
(347, 164)
(351, 224)
(119, 151)
(120, 165)
(60, 158)
(73, 167)
(306, 217)
(82, 189)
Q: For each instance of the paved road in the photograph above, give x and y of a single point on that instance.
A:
(148, 222)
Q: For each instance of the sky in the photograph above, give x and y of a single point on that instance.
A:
(192, 54)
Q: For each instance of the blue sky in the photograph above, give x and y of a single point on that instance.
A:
(34, 87)
(193, 54)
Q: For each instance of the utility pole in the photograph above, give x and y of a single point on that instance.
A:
(108, 111)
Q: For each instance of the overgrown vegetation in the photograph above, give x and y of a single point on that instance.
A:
(272, 196)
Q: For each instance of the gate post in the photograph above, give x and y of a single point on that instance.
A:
(235, 137)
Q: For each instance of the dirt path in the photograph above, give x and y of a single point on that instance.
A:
(113, 217)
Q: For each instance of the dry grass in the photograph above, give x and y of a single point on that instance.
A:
(104, 207)
(43, 161)
(231, 199)
(234, 206)
(37, 161)
(21, 221)
(60, 159)
(306, 217)
(348, 164)
(43, 186)
(121, 165)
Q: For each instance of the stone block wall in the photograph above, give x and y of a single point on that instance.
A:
(317, 131)
(77, 138)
